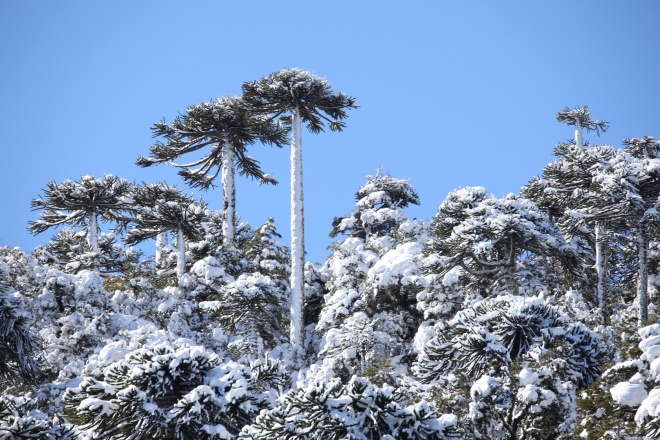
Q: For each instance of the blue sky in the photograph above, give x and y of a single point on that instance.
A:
(451, 93)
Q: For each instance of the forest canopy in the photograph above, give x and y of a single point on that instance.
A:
(528, 316)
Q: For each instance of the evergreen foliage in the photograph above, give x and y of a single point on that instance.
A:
(295, 89)
(297, 96)
(20, 348)
(499, 245)
(357, 410)
(82, 203)
(522, 361)
(166, 392)
(214, 124)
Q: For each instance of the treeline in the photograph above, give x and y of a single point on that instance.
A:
(530, 316)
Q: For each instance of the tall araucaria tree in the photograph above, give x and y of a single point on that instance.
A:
(298, 96)
(228, 128)
(581, 119)
(161, 208)
(82, 204)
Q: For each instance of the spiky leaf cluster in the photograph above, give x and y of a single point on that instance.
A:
(71, 202)
(163, 208)
(166, 393)
(357, 410)
(214, 124)
(20, 348)
(498, 243)
(294, 89)
(21, 418)
(378, 207)
(490, 335)
(581, 117)
(70, 251)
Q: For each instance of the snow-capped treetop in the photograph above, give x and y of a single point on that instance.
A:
(379, 207)
(580, 117)
(214, 124)
(295, 89)
(71, 202)
(485, 236)
(161, 208)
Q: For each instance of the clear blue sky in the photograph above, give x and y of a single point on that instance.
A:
(452, 93)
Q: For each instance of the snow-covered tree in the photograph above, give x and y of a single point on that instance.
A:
(227, 127)
(302, 97)
(520, 362)
(179, 392)
(357, 410)
(369, 315)
(606, 195)
(379, 207)
(568, 184)
(70, 251)
(163, 208)
(20, 348)
(250, 308)
(499, 245)
(83, 203)
(21, 417)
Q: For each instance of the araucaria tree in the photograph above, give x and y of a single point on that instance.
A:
(298, 96)
(82, 204)
(227, 127)
(161, 208)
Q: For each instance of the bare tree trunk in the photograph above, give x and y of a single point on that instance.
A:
(297, 232)
(642, 277)
(228, 193)
(92, 233)
(181, 246)
(161, 243)
(601, 270)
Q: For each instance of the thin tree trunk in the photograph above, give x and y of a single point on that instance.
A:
(92, 233)
(228, 193)
(599, 232)
(181, 246)
(161, 243)
(297, 232)
(642, 277)
(578, 134)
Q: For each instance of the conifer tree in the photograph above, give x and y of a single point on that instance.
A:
(378, 207)
(163, 208)
(581, 119)
(19, 347)
(82, 204)
(492, 240)
(521, 361)
(227, 127)
(298, 96)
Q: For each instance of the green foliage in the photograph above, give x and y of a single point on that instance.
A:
(20, 348)
(581, 117)
(166, 393)
(212, 124)
(71, 202)
(164, 208)
(296, 89)
(22, 419)
(357, 410)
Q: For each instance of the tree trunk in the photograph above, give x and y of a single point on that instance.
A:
(228, 193)
(161, 243)
(92, 233)
(642, 277)
(599, 232)
(181, 246)
(578, 134)
(297, 232)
